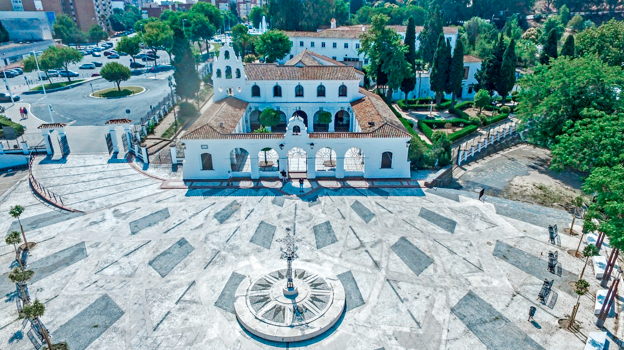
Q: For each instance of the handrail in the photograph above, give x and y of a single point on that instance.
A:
(46, 194)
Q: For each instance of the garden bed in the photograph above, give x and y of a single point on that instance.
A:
(57, 85)
(19, 129)
(114, 93)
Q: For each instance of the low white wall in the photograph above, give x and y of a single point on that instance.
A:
(8, 161)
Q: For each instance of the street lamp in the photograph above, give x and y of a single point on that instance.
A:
(26, 79)
(175, 115)
(6, 83)
(45, 95)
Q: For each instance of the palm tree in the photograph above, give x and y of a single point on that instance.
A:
(16, 211)
(33, 312)
(14, 238)
(20, 277)
(581, 288)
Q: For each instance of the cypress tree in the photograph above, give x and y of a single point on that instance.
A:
(456, 74)
(409, 83)
(490, 72)
(550, 48)
(185, 74)
(507, 78)
(4, 34)
(568, 49)
(430, 34)
(355, 5)
(440, 69)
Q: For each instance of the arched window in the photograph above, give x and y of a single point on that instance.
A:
(277, 91)
(230, 92)
(386, 160)
(206, 159)
(299, 91)
(228, 72)
(296, 130)
(320, 91)
(255, 91)
(342, 90)
(238, 75)
(218, 73)
(226, 55)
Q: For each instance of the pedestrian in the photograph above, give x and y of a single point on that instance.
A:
(283, 173)
(22, 112)
(25, 113)
(300, 185)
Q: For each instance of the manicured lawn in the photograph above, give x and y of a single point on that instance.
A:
(113, 92)
(56, 85)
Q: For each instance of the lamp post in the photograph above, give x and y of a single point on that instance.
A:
(26, 79)
(144, 45)
(175, 115)
(45, 95)
(6, 82)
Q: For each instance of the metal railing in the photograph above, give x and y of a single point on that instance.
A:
(471, 149)
(40, 189)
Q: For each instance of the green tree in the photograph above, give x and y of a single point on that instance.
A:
(115, 73)
(13, 238)
(606, 42)
(568, 47)
(130, 45)
(440, 69)
(285, 14)
(578, 203)
(607, 206)
(30, 65)
(431, 33)
(596, 140)
(325, 117)
(589, 251)
(241, 40)
(581, 287)
(201, 29)
(342, 12)
(209, 11)
(33, 312)
(251, 58)
(564, 14)
(316, 13)
(65, 56)
(512, 28)
(456, 73)
(256, 14)
(507, 76)
(273, 45)
(489, 74)
(355, 5)
(16, 211)
(549, 98)
(4, 34)
(409, 82)
(550, 48)
(124, 19)
(526, 52)
(478, 29)
(66, 29)
(482, 99)
(552, 23)
(269, 117)
(185, 74)
(576, 23)
(158, 34)
(417, 153)
(97, 34)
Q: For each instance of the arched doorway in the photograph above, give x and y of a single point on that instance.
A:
(268, 159)
(354, 159)
(318, 126)
(325, 160)
(281, 127)
(297, 162)
(254, 120)
(342, 121)
(239, 160)
(302, 115)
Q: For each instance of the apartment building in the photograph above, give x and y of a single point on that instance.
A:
(84, 12)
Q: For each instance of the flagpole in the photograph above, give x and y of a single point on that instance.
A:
(43, 87)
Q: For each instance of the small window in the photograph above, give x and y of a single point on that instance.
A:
(334, 58)
(323, 44)
(228, 72)
(346, 45)
(277, 91)
(366, 61)
(335, 45)
(466, 71)
(320, 91)
(299, 91)
(291, 56)
(386, 160)
(206, 159)
(230, 92)
(470, 89)
(226, 55)
(296, 130)
(255, 91)
(301, 43)
(218, 73)
(238, 73)
(342, 90)
(357, 45)
(312, 44)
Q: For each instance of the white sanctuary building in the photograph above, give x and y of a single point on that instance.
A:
(364, 139)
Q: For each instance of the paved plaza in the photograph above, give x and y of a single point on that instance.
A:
(141, 267)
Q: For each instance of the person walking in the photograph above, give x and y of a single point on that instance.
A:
(22, 112)
(300, 185)
(25, 113)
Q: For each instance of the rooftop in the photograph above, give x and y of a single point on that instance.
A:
(354, 32)
(260, 71)
(311, 58)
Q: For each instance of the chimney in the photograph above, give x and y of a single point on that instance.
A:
(363, 28)
(333, 23)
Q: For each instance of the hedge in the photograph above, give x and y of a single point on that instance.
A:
(409, 125)
(459, 113)
(468, 129)
(19, 129)
(464, 105)
(463, 132)
(422, 104)
(425, 129)
(497, 118)
(454, 122)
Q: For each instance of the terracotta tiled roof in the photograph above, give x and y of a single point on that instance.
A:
(118, 121)
(385, 131)
(258, 71)
(310, 58)
(207, 132)
(51, 126)
(471, 59)
(372, 113)
(354, 32)
(222, 116)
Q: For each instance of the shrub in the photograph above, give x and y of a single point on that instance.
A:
(425, 129)
(505, 109)
(464, 105)
(474, 121)
(262, 130)
(443, 106)
(459, 113)
(251, 58)
(483, 119)
(19, 129)
(417, 153)
(409, 125)
(463, 132)
(207, 79)
(188, 110)
(422, 104)
(448, 126)
(497, 118)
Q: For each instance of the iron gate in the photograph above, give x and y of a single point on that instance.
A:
(64, 146)
(124, 141)
(109, 143)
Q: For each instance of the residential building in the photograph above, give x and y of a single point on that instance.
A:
(363, 138)
(342, 43)
(28, 25)
(155, 10)
(244, 6)
(84, 12)
(17, 5)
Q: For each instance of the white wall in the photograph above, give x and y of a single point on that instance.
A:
(8, 161)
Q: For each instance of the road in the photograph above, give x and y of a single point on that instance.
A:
(77, 108)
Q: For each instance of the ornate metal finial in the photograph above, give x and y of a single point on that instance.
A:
(289, 252)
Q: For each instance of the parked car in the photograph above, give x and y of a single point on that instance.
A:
(7, 74)
(148, 58)
(136, 72)
(113, 56)
(54, 73)
(162, 68)
(98, 49)
(136, 65)
(122, 54)
(42, 76)
(18, 70)
(14, 71)
(96, 54)
(141, 55)
(4, 97)
(68, 73)
(87, 66)
(95, 74)
(107, 53)
(97, 64)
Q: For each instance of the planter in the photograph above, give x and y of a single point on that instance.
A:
(329, 163)
(266, 164)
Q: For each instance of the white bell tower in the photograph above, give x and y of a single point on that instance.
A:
(228, 77)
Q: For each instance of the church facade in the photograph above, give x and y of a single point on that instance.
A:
(363, 139)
